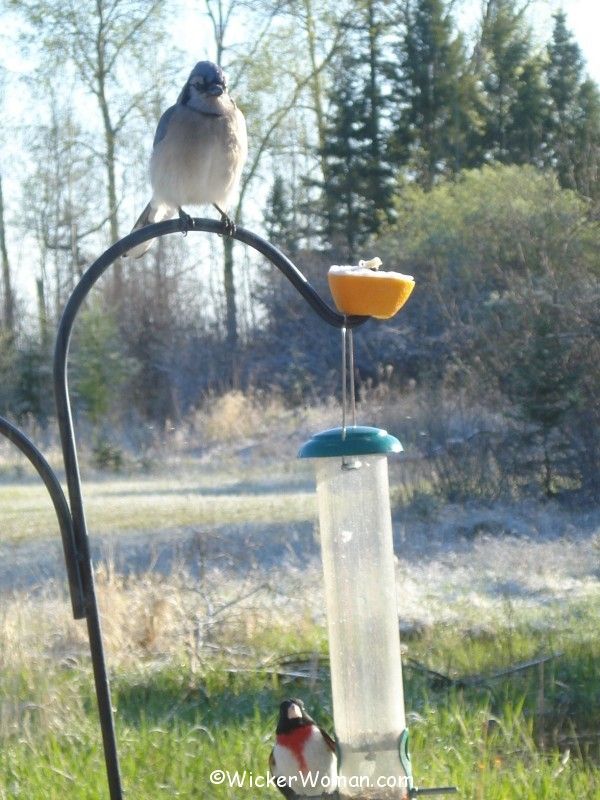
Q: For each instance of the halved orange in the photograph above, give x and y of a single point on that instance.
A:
(367, 292)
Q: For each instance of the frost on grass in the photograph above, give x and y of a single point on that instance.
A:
(471, 568)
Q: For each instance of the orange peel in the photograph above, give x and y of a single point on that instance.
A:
(365, 291)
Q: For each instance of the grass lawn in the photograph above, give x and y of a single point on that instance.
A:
(199, 667)
(532, 734)
(151, 502)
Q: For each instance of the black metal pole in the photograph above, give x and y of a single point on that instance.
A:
(61, 507)
(67, 433)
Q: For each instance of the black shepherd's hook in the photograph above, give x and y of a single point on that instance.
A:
(61, 507)
(79, 553)
(71, 517)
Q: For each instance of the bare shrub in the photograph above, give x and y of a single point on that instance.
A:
(451, 445)
(236, 415)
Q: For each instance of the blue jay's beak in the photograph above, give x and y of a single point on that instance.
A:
(216, 89)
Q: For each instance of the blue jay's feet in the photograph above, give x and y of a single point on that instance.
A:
(226, 221)
(187, 223)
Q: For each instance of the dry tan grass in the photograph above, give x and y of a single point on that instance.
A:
(33, 629)
(148, 618)
(237, 415)
(153, 616)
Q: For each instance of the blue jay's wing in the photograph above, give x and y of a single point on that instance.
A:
(163, 124)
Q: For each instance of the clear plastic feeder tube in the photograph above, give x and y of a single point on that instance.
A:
(364, 643)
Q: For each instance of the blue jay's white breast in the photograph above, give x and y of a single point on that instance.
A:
(200, 159)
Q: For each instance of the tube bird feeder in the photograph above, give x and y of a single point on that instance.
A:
(360, 589)
(362, 613)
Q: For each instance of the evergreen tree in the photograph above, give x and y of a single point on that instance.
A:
(574, 120)
(564, 75)
(377, 169)
(587, 140)
(435, 117)
(350, 203)
(565, 69)
(279, 217)
(514, 94)
(356, 188)
(526, 128)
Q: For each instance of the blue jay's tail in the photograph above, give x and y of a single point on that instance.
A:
(149, 215)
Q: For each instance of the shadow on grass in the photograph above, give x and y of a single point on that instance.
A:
(219, 698)
(244, 488)
(553, 706)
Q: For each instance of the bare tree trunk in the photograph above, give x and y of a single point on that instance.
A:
(219, 15)
(42, 310)
(219, 18)
(230, 299)
(316, 84)
(111, 184)
(111, 188)
(374, 33)
(8, 322)
(76, 270)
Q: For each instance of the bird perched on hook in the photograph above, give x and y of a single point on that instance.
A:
(200, 147)
(303, 761)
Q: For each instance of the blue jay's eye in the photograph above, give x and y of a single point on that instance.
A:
(199, 85)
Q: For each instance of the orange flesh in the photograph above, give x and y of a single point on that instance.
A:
(380, 295)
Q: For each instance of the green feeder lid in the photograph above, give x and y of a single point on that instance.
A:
(359, 440)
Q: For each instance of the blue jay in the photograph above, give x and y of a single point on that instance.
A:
(200, 148)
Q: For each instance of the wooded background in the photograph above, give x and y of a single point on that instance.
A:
(375, 128)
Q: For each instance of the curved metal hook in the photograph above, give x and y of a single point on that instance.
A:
(183, 225)
(61, 507)
(67, 433)
(79, 294)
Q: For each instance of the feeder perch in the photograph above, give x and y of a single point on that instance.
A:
(362, 615)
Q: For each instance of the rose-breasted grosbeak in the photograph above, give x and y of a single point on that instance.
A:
(303, 758)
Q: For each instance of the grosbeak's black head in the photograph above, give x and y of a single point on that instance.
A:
(292, 714)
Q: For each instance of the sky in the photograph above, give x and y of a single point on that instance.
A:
(191, 29)
(583, 20)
